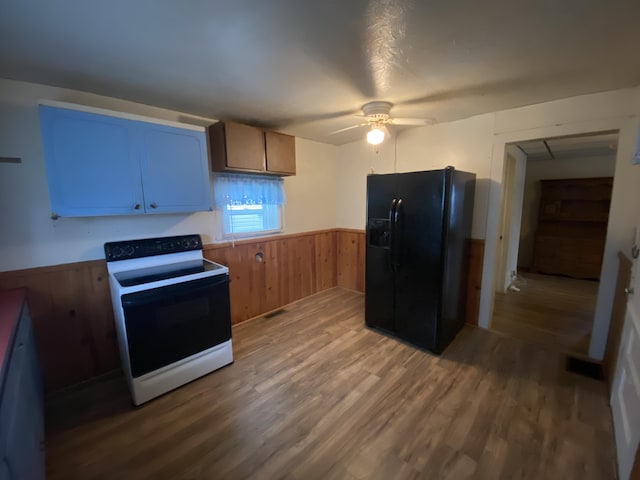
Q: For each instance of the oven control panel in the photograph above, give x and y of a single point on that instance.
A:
(148, 247)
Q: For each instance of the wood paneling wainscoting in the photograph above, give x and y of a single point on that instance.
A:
(268, 273)
(350, 259)
(474, 281)
(71, 305)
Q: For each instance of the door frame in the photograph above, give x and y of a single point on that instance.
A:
(618, 232)
(506, 207)
(515, 166)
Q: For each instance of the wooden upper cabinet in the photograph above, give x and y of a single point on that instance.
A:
(236, 147)
(242, 148)
(281, 153)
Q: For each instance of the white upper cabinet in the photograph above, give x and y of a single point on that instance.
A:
(174, 169)
(99, 164)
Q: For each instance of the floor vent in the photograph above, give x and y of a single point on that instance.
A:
(275, 313)
(585, 368)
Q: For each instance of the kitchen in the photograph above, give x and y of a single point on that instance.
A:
(322, 243)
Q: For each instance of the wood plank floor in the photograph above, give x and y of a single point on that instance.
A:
(553, 311)
(314, 394)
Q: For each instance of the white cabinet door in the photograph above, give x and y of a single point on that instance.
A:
(105, 165)
(625, 396)
(175, 170)
(92, 167)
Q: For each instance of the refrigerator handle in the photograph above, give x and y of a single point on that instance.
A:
(392, 212)
(395, 250)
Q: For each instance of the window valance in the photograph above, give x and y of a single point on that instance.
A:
(238, 189)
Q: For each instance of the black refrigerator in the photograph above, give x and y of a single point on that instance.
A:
(417, 240)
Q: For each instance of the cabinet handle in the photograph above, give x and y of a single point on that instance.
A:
(628, 290)
(136, 206)
(153, 205)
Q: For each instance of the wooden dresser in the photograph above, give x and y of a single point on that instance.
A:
(572, 226)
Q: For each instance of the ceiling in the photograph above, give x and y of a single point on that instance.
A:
(577, 146)
(306, 67)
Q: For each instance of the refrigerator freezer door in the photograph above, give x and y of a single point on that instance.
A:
(459, 195)
(379, 276)
(419, 234)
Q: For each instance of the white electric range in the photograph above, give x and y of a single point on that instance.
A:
(172, 313)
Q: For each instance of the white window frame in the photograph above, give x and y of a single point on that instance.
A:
(228, 233)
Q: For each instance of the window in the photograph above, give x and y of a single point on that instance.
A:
(246, 219)
(249, 204)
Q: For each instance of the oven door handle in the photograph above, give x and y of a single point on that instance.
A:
(161, 294)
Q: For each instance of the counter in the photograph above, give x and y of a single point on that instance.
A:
(21, 398)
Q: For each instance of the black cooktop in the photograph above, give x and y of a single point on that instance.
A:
(148, 247)
(140, 276)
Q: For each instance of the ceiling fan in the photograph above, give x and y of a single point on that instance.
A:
(378, 118)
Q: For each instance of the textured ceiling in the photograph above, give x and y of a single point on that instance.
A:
(305, 67)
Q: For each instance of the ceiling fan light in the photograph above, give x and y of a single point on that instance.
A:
(375, 136)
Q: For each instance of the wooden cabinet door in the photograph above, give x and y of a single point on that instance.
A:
(281, 153)
(175, 175)
(244, 147)
(91, 163)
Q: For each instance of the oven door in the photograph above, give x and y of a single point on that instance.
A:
(167, 324)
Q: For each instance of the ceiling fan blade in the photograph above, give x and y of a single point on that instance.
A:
(348, 128)
(412, 121)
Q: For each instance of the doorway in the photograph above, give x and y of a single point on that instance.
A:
(552, 231)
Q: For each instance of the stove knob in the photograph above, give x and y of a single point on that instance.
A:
(128, 250)
(185, 243)
(116, 252)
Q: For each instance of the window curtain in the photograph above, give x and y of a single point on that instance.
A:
(235, 189)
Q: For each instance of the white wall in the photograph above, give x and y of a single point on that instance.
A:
(574, 167)
(478, 145)
(355, 161)
(29, 238)
(461, 144)
(311, 193)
